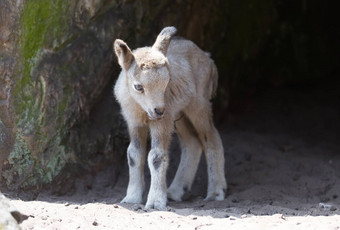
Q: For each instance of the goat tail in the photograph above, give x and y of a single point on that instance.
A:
(214, 81)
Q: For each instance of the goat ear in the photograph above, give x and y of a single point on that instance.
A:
(124, 54)
(163, 39)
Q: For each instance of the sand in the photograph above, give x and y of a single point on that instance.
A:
(282, 165)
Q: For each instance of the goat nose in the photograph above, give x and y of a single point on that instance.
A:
(159, 111)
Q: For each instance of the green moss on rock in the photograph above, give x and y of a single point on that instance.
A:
(43, 25)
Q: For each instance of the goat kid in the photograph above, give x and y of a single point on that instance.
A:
(163, 89)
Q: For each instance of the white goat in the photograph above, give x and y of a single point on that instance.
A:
(167, 88)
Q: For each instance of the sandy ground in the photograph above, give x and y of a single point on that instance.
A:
(282, 164)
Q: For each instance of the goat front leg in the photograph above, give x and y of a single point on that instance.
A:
(136, 154)
(158, 160)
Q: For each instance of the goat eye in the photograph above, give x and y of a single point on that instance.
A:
(139, 88)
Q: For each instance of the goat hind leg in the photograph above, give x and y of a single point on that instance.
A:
(213, 149)
(214, 153)
(191, 154)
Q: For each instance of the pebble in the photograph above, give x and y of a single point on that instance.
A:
(329, 207)
(139, 208)
(234, 201)
(283, 217)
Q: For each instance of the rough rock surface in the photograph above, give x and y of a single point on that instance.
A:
(55, 64)
(57, 113)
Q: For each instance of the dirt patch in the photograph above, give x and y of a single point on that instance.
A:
(282, 165)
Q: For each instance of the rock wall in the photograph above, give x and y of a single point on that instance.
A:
(56, 64)
(58, 115)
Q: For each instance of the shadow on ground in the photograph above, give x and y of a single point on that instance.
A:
(282, 156)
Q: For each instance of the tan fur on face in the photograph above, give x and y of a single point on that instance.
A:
(177, 80)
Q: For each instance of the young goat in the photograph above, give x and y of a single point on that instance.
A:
(167, 88)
